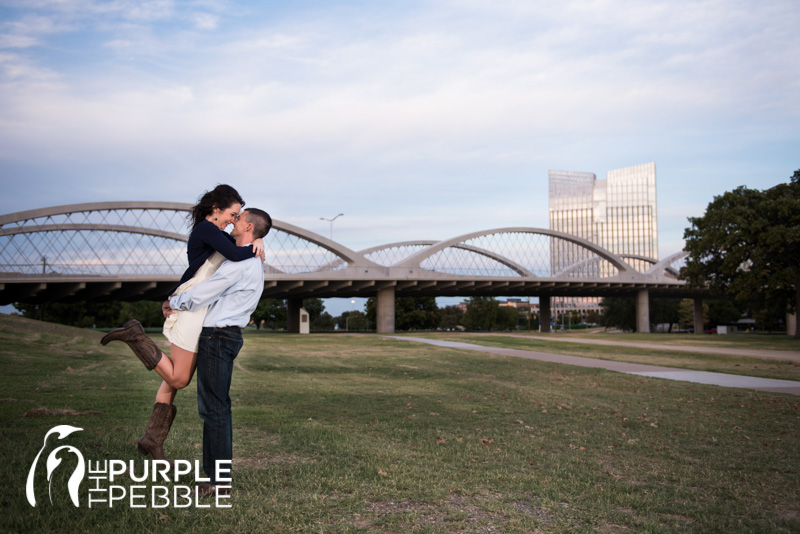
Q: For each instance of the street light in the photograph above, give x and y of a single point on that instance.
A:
(331, 221)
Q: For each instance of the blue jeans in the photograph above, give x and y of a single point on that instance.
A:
(217, 349)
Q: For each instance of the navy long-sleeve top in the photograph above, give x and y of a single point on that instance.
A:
(205, 239)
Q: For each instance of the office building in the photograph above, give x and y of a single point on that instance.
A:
(618, 213)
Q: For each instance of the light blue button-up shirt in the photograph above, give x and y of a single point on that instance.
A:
(232, 294)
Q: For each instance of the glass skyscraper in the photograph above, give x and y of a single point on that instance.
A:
(618, 213)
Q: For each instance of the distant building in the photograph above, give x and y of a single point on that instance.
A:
(520, 304)
(618, 213)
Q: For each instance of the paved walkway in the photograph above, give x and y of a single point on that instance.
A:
(655, 371)
(764, 354)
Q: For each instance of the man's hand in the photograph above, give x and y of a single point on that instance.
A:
(166, 310)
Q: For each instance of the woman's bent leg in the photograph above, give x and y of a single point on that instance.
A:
(178, 369)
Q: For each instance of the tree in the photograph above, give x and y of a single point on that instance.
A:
(100, 314)
(353, 320)
(416, 313)
(270, 312)
(481, 313)
(747, 246)
(325, 321)
(620, 312)
(507, 317)
(721, 312)
(314, 307)
(686, 313)
(451, 317)
(664, 311)
(410, 313)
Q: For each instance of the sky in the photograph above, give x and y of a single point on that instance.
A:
(415, 119)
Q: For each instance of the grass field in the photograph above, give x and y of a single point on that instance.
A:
(746, 341)
(698, 361)
(341, 433)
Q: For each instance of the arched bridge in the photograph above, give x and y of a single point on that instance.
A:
(136, 250)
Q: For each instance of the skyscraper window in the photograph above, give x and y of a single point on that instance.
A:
(618, 213)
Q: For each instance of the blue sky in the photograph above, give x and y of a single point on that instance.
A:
(417, 120)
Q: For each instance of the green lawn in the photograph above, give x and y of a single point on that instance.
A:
(742, 340)
(341, 433)
(698, 361)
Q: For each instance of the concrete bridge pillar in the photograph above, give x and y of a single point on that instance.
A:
(643, 311)
(544, 314)
(293, 315)
(698, 316)
(385, 311)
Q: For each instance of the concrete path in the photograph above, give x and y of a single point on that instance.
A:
(764, 354)
(655, 371)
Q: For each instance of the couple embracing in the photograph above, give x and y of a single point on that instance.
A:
(204, 318)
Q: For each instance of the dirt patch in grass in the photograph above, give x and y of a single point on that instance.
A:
(84, 370)
(51, 383)
(788, 515)
(531, 511)
(46, 412)
(456, 512)
(676, 520)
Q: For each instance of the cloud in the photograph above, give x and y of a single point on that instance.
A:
(314, 84)
(17, 41)
(205, 21)
(455, 108)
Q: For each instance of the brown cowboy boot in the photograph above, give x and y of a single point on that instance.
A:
(157, 430)
(142, 346)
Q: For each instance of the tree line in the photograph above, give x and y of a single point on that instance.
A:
(411, 314)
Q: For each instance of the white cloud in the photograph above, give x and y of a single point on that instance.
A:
(120, 44)
(205, 21)
(406, 107)
(16, 69)
(17, 41)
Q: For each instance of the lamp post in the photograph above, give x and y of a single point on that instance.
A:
(331, 221)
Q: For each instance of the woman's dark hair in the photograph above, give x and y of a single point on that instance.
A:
(221, 197)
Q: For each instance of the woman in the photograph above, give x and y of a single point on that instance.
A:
(207, 248)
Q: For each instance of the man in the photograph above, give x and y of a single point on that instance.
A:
(232, 294)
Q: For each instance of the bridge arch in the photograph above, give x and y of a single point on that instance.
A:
(666, 264)
(143, 218)
(514, 266)
(416, 260)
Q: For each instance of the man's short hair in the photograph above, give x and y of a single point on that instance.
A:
(260, 220)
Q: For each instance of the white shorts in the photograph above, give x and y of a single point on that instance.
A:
(182, 328)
